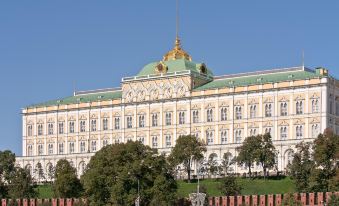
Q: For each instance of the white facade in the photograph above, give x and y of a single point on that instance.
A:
(294, 105)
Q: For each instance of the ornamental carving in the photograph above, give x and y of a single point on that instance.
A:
(161, 68)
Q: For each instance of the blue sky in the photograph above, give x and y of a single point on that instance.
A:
(46, 47)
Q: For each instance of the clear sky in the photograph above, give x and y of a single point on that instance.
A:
(48, 46)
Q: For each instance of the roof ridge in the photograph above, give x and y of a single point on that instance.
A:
(263, 72)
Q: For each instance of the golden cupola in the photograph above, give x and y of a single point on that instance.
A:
(177, 52)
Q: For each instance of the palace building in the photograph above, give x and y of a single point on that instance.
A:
(177, 96)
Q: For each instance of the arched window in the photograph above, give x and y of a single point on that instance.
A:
(82, 168)
(141, 120)
(223, 136)
(210, 137)
(29, 150)
(82, 126)
(141, 139)
(155, 120)
(168, 118)
(253, 132)
(168, 140)
(195, 116)
(40, 129)
(82, 146)
(117, 122)
(61, 148)
(283, 133)
(238, 136)
(29, 130)
(93, 125)
(268, 130)
(93, 146)
(182, 117)
(299, 131)
(315, 130)
(105, 124)
(50, 128)
(40, 149)
(299, 107)
(283, 109)
(129, 122)
(61, 127)
(315, 105)
(71, 147)
(268, 110)
(238, 112)
(50, 149)
(209, 115)
(223, 114)
(71, 127)
(253, 111)
(154, 141)
(105, 142)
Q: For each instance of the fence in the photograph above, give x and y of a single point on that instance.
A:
(44, 202)
(310, 199)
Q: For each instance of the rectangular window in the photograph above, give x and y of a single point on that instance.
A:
(283, 109)
(71, 127)
(71, 147)
(283, 133)
(40, 129)
(238, 112)
(195, 116)
(82, 146)
(210, 137)
(50, 149)
(315, 105)
(50, 129)
(223, 114)
(253, 111)
(154, 141)
(61, 148)
(299, 107)
(29, 130)
(238, 136)
(154, 120)
(61, 127)
(105, 124)
(82, 126)
(141, 120)
(168, 141)
(94, 146)
(105, 142)
(129, 122)
(223, 136)
(181, 117)
(209, 115)
(40, 149)
(93, 125)
(268, 110)
(168, 118)
(117, 123)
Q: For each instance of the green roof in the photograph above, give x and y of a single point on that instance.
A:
(83, 98)
(174, 66)
(260, 78)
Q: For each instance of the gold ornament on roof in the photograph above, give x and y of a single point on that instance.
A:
(177, 52)
(161, 68)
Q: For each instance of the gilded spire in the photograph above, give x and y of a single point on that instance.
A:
(177, 52)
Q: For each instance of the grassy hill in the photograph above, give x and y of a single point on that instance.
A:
(250, 186)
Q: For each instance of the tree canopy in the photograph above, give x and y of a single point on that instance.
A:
(66, 183)
(115, 173)
(187, 149)
(266, 153)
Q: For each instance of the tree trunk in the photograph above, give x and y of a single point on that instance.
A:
(189, 171)
(249, 170)
(264, 168)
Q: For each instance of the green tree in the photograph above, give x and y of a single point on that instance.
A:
(212, 164)
(115, 173)
(248, 152)
(39, 171)
(326, 156)
(7, 160)
(226, 163)
(21, 184)
(66, 183)
(229, 186)
(187, 149)
(301, 168)
(266, 153)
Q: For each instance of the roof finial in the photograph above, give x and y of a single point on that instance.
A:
(303, 59)
(177, 52)
(177, 20)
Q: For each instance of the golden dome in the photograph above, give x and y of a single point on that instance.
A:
(177, 52)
